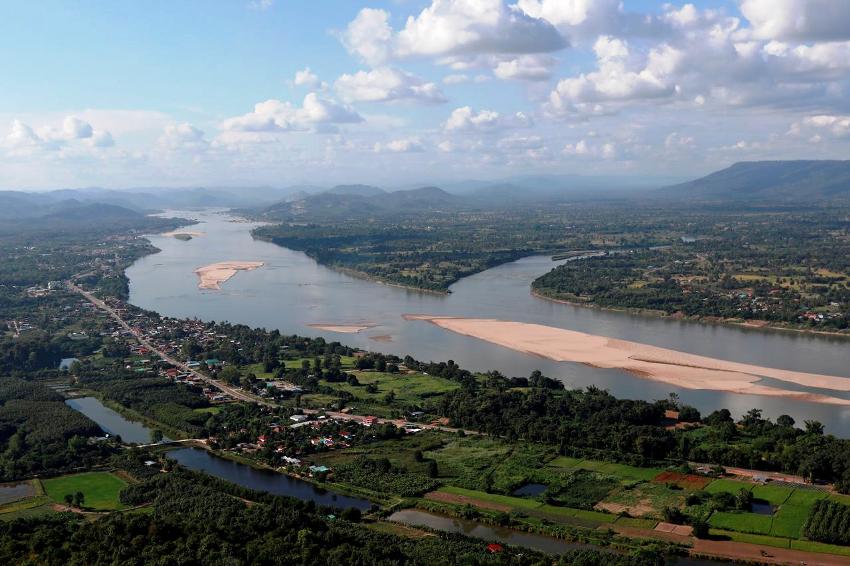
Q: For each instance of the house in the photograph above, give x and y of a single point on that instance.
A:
(319, 469)
(299, 418)
(672, 415)
(494, 548)
(369, 421)
(262, 439)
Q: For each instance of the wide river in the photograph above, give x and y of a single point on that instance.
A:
(291, 291)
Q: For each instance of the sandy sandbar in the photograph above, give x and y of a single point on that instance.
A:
(681, 369)
(343, 328)
(192, 233)
(212, 276)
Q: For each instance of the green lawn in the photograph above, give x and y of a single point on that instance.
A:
(805, 497)
(618, 470)
(743, 522)
(101, 489)
(751, 538)
(788, 520)
(729, 486)
(773, 494)
(407, 387)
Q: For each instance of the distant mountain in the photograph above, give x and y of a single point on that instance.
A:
(773, 180)
(357, 190)
(330, 204)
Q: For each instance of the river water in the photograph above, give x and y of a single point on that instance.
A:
(291, 291)
(110, 421)
(263, 480)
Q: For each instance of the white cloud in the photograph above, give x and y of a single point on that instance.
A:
(822, 125)
(526, 67)
(368, 36)
(386, 84)
(465, 119)
(74, 128)
(261, 5)
(184, 137)
(798, 19)
(406, 145)
(306, 77)
(468, 27)
(619, 78)
(316, 114)
(456, 79)
(101, 139)
(584, 148)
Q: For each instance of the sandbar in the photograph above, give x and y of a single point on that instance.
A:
(192, 233)
(212, 276)
(343, 328)
(688, 371)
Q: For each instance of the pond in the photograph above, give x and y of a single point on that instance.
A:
(110, 421)
(762, 508)
(13, 491)
(541, 543)
(530, 490)
(263, 480)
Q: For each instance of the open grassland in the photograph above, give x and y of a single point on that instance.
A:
(743, 522)
(101, 489)
(619, 470)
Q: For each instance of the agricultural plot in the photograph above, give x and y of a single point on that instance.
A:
(743, 522)
(100, 489)
(619, 470)
(682, 481)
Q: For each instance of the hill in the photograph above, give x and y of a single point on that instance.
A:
(774, 180)
(356, 190)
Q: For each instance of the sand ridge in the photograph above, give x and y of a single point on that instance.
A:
(689, 371)
(193, 233)
(342, 328)
(213, 275)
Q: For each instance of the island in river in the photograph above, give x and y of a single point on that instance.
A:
(685, 370)
(212, 276)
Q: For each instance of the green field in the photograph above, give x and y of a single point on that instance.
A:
(407, 387)
(729, 486)
(743, 522)
(515, 502)
(101, 489)
(618, 470)
(788, 520)
(773, 494)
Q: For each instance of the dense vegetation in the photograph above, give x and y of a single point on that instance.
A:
(39, 434)
(829, 521)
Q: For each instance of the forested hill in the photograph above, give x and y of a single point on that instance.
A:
(769, 181)
(354, 201)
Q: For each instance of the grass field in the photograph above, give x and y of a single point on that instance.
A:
(773, 494)
(743, 522)
(729, 486)
(514, 502)
(618, 470)
(101, 489)
(788, 520)
(407, 387)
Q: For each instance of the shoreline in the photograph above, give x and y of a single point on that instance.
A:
(680, 369)
(763, 325)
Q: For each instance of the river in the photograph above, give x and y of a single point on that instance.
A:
(291, 291)
(200, 460)
(110, 421)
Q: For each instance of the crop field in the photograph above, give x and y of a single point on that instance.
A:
(101, 489)
(684, 481)
(788, 520)
(619, 470)
(773, 494)
(743, 522)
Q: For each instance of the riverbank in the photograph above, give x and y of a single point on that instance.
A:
(764, 325)
(681, 369)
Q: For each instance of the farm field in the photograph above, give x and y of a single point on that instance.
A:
(101, 489)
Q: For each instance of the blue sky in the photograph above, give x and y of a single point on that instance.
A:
(150, 93)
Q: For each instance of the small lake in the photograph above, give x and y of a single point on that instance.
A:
(110, 421)
(530, 490)
(13, 491)
(762, 508)
(263, 480)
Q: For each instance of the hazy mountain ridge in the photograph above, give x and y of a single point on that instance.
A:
(768, 180)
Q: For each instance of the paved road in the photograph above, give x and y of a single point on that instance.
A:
(218, 384)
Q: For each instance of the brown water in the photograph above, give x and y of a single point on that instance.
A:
(291, 292)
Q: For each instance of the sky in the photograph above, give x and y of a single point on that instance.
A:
(407, 92)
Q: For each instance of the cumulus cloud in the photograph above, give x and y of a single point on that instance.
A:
(315, 113)
(823, 126)
(406, 145)
(465, 119)
(74, 128)
(822, 20)
(526, 67)
(74, 133)
(182, 136)
(306, 77)
(386, 84)
(369, 35)
(584, 148)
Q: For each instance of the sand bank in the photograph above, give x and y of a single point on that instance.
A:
(192, 233)
(681, 369)
(212, 276)
(343, 328)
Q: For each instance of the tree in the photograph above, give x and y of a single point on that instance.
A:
(156, 435)
(814, 427)
(79, 499)
(69, 499)
(744, 499)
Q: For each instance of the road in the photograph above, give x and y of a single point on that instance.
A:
(218, 384)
